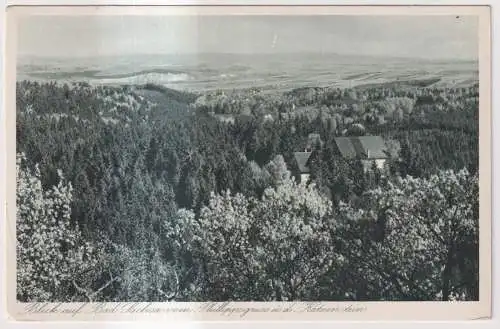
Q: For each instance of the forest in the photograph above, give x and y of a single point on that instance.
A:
(143, 193)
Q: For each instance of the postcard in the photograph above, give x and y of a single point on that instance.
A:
(243, 163)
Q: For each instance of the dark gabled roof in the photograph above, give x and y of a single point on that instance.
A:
(346, 147)
(302, 158)
(362, 147)
(376, 145)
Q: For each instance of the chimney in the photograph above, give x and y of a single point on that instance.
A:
(368, 154)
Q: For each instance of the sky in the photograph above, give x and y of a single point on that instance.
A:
(431, 37)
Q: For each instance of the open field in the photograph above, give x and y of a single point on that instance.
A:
(206, 72)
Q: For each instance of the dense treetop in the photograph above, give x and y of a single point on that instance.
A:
(189, 206)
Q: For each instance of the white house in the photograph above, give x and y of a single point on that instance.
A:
(369, 149)
(302, 159)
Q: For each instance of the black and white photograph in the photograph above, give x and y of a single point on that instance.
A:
(247, 158)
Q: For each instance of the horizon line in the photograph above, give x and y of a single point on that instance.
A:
(319, 53)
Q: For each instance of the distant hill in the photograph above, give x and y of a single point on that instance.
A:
(401, 83)
(201, 72)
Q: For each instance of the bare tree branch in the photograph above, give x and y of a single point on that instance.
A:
(83, 291)
(91, 294)
(104, 286)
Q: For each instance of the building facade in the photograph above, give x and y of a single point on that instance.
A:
(370, 150)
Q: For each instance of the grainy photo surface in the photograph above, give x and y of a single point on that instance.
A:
(247, 158)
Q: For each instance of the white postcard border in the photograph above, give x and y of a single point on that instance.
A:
(466, 310)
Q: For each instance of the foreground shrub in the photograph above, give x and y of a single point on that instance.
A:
(50, 250)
